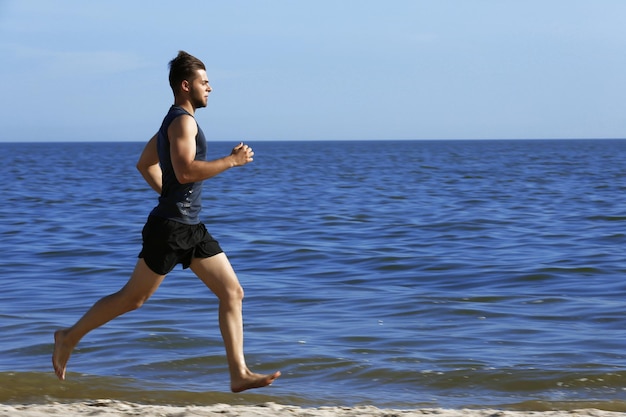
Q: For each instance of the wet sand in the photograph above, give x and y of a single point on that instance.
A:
(110, 408)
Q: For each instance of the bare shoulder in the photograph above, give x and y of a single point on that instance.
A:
(182, 135)
(183, 127)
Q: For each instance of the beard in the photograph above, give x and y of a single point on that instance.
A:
(197, 98)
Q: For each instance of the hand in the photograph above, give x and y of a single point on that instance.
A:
(242, 154)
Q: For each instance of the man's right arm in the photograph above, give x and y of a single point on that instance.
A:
(182, 133)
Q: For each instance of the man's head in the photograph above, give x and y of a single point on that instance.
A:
(188, 75)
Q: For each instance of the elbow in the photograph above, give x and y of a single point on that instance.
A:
(147, 169)
(141, 167)
(184, 178)
(185, 173)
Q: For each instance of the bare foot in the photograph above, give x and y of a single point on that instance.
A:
(61, 354)
(253, 381)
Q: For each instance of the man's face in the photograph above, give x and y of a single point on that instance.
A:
(199, 90)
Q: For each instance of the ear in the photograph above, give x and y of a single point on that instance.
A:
(185, 85)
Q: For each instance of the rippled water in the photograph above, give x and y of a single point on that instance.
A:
(421, 273)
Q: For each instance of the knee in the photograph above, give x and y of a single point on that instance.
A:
(131, 302)
(135, 303)
(238, 293)
(234, 294)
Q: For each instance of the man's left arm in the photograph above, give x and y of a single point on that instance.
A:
(148, 165)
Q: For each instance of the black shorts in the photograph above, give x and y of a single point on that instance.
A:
(167, 243)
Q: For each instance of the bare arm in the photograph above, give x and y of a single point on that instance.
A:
(182, 133)
(149, 167)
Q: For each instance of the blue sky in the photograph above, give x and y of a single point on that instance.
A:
(308, 70)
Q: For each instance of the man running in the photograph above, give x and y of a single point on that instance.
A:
(174, 164)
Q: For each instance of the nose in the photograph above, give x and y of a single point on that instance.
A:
(209, 88)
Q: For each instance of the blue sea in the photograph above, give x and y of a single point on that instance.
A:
(391, 273)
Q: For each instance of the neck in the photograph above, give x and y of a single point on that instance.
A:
(186, 105)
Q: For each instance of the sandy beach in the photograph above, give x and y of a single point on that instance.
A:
(110, 408)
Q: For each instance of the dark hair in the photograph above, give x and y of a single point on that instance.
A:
(183, 67)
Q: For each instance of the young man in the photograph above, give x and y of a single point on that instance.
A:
(174, 164)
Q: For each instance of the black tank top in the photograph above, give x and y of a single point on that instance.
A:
(178, 202)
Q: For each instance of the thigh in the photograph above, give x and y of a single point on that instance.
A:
(217, 273)
(143, 282)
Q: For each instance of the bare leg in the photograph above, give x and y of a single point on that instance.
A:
(217, 273)
(141, 285)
